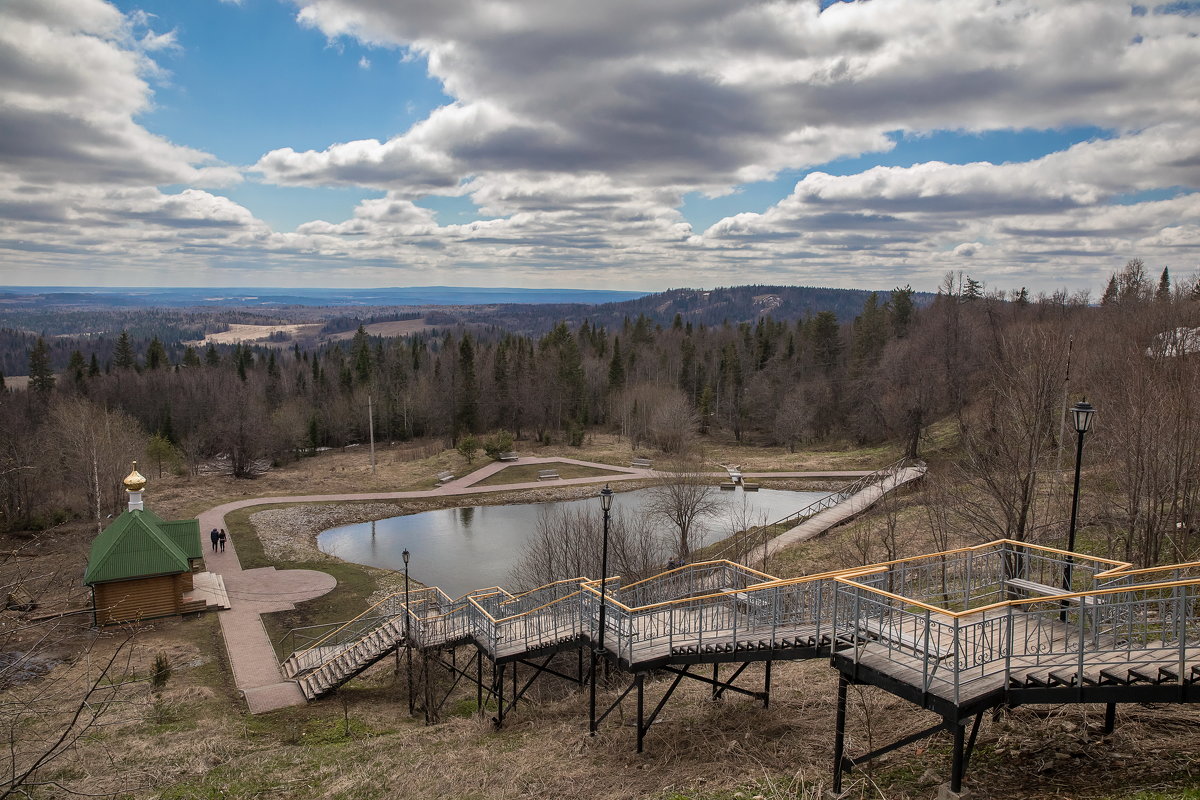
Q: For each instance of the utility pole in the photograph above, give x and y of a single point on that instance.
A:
(371, 428)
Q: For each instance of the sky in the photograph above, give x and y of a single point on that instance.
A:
(622, 144)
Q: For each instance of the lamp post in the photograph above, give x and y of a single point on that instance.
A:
(407, 635)
(1082, 414)
(606, 500)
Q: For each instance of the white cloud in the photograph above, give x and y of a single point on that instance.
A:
(75, 79)
(578, 128)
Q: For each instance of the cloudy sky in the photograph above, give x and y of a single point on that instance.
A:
(616, 144)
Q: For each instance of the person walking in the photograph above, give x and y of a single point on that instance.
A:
(221, 539)
(216, 537)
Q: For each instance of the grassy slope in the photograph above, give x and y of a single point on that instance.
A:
(361, 744)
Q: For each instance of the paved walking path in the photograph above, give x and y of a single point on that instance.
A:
(255, 592)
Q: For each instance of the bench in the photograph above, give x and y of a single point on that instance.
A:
(750, 487)
(1035, 588)
(641, 463)
(898, 638)
(728, 486)
(509, 456)
(445, 477)
(547, 474)
(751, 600)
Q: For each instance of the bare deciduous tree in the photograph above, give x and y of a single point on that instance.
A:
(682, 498)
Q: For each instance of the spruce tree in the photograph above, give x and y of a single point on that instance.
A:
(1110, 292)
(156, 355)
(123, 356)
(1164, 287)
(41, 376)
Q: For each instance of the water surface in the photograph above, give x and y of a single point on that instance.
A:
(460, 549)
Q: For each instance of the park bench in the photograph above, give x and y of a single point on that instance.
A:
(547, 474)
(890, 634)
(509, 456)
(1044, 590)
(445, 477)
(728, 486)
(750, 487)
(641, 463)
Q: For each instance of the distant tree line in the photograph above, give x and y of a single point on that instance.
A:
(996, 363)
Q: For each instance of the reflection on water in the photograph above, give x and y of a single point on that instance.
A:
(460, 549)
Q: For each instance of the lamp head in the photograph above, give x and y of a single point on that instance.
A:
(404, 555)
(606, 497)
(1082, 413)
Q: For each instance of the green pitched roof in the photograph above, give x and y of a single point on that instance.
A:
(185, 533)
(139, 544)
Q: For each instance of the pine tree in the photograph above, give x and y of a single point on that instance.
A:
(41, 377)
(616, 367)
(903, 310)
(1110, 292)
(76, 366)
(123, 356)
(468, 393)
(190, 357)
(211, 357)
(94, 367)
(156, 355)
(1164, 287)
(360, 354)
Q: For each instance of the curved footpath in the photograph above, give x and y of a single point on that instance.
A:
(254, 592)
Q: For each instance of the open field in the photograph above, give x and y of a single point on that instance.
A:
(259, 334)
(395, 327)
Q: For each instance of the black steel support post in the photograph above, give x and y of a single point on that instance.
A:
(641, 710)
(716, 692)
(839, 735)
(767, 686)
(408, 644)
(956, 768)
(592, 702)
(598, 653)
(1110, 718)
(425, 679)
(479, 682)
(971, 741)
(498, 720)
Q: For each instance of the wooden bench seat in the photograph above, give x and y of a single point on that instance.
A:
(642, 463)
(547, 474)
(1044, 590)
(751, 600)
(509, 456)
(445, 477)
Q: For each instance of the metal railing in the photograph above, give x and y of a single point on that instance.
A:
(748, 541)
(963, 621)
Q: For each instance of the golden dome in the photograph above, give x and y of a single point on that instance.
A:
(134, 481)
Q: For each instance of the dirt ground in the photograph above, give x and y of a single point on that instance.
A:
(191, 737)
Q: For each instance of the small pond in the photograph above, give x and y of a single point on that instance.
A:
(460, 549)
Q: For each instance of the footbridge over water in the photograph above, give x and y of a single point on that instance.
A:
(957, 633)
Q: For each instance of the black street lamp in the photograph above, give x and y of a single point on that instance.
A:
(407, 634)
(606, 500)
(1082, 414)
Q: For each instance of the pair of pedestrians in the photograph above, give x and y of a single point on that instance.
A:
(218, 539)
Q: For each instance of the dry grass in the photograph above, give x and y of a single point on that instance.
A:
(200, 743)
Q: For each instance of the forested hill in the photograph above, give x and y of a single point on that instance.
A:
(734, 304)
